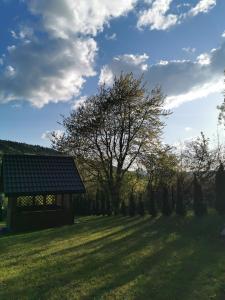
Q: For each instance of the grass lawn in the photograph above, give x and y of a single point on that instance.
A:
(2, 224)
(117, 258)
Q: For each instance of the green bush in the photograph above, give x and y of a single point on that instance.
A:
(132, 206)
(123, 208)
(220, 190)
(152, 209)
(199, 205)
(166, 208)
(180, 206)
(140, 208)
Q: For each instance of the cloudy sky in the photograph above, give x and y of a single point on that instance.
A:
(55, 53)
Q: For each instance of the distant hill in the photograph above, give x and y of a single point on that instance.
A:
(10, 147)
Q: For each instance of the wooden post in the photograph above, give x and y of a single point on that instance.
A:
(62, 204)
(33, 201)
(44, 201)
(72, 206)
(11, 213)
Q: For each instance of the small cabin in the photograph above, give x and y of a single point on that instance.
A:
(40, 190)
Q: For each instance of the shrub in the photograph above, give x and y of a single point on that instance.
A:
(152, 209)
(152, 204)
(173, 200)
(93, 207)
(108, 207)
(140, 208)
(103, 204)
(123, 208)
(199, 206)
(180, 207)
(166, 208)
(220, 190)
(132, 206)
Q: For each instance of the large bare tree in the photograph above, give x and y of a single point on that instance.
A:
(109, 132)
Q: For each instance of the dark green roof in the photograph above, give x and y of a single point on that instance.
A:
(35, 175)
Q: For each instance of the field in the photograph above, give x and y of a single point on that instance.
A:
(117, 258)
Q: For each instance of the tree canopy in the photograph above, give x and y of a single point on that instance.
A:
(112, 129)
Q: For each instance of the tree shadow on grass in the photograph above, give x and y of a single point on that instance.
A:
(87, 245)
(157, 259)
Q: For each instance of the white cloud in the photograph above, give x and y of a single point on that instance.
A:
(133, 63)
(157, 16)
(189, 50)
(182, 80)
(187, 129)
(79, 102)
(197, 92)
(106, 76)
(135, 60)
(160, 17)
(51, 61)
(163, 62)
(47, 134)
(203, 59)
(67, 17)
(49, 70)
(9, 71)
(181, 5)
(111, 37)
(23, 33)
(223, 34)
(11, 48)
(203, 6)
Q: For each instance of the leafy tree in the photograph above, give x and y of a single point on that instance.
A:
(103, 203)
(108, 133)
(108, 207)
(160, 164)
(79, 205)
(140, 208)
(199, 206)
(198, 157)
(152, 205)
(123, 208)
(220, 190)
(180, 207)
(1, 210)
(173, 201)
(132, 205)
(151, 201)
(89, 212)
(97, 202)
(221, 108)
(98, 207)
(94, 210)
(166, 208)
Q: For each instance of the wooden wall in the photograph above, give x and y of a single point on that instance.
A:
(18, 220)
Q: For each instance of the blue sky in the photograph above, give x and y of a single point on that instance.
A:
(54, 53)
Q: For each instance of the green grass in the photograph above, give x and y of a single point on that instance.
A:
(2, 224)
(117, 258)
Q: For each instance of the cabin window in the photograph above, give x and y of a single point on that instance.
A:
(25, 201)
(40, 202)
(50, 200)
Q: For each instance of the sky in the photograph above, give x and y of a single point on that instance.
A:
(55, 53)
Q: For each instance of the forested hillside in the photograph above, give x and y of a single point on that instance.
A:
(10, 147)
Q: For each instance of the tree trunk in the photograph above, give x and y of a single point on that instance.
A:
(115, 198)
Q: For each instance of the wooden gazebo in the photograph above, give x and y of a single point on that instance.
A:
(40, 190)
